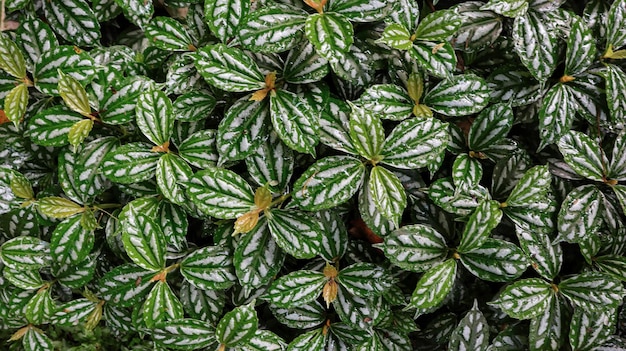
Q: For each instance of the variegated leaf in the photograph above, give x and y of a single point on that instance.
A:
(11, 58)
(495, 260)
(200, 149)
(357, 312)
(545, 257)
(303, 65)
(237, 326)
(225, 16)
(206, 305)
(396, 36)
(74, 21)
(295, 121)
(438, 60)
(389, 101)
(138, 12)
(581, 48)
(472, 333)
(25, 253)
(220, 193)
(328, 183)
(414, 143)
(546, 330)
(272, 164)
(296, 288)
(168, 34)
(302, 317)
(458, 96)
(525, 298)
(184, 334)
(58, 207)
(613, 265)
(478, 29)
(615, 27)
(360, 10)
(438, 26)
(73, 94)
(330, 33)
(593, 291)
(434, 285)
(584, 155)
(615, 81)
(335, 126)
(536, 44)
(119, 101)
(479, 226)
(508, 8)
(155, 117)
(228, 69)
(36, 37)
(36, 340)
(556, 115)
(591, 328)
(242, 129)
(364, 279)
(387, 193)
(580, 214)
(16, 103)
(366, 132)
(172, 171)
(161, 304)
(69, 59)
(194, 106)
(459, 201)
(371, 215)
(144, 241)
(297, 233)
(491, 126)
(272, 28)
(466, 172)
(70, 243)
(130, 163)
(209, 268)
(51, 126)
(513, 85)
(532, 186)
(125, 285)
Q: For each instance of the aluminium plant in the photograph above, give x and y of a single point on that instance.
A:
(349, 175)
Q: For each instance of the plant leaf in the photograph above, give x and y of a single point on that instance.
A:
(593, 291)
(546, 330)
(556, 115)
(438, 60)
(125, 285)
(458, 95)
(74, 21)
(225, 16)
(209, 268)
(168, 34)
(242, 129)
(536, 44)
(438, 26)
(581, 48)
(303, 65)
(580, 212)
(495, 260)
(479, 226)
(366, 132)
(272, 164)
(295, 232)
(51, 127)
(71, 61)
(155, 116)
(466, 171)
(525, 298)
(532, 187)
(272, 28)
(25, 253)
(161, 304)
(16, 103)
(364, 279)
(434, 285)
(11, 58)
(387, 193)
(330, 33)
(70, 243)
(144, 241)
(615, 80)
(508, 8)
(296, 289)
(295, 121)
(220, 193)
(199, 149)
(228, 69)
(615, 28)
(584, 155)
(491, 126)
(237, 326)
(590, 328)
(130, 163)
(472, 332)
(184, 334)
(414, 143)
(172, 171)
(545, 257)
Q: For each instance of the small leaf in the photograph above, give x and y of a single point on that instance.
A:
(144, 241)
(16, 103)
(184, 334)
(295, 232)
(388, 101)
(58, 207)
(396, 36)
(25, 253)
(225, 16)
(119, 101)
(242, 129)
(51, 126)
(508, 8)
(125, 285)
(458, 96)
(328, 183)
(194, 106)
(161, 304)
(272, 164)
(130, 163)
(209, 268)
(170, 173)
(330, 33)
(76, 63)
(303, 65)
(199, 149)
(228, 69)
(615, 79)
(295, 121)
(364, 279)
(220, 193)
(593, 291)
(479, 226)
(302, 317)
(155, 116)
(237, 326)
(387, 193)
(491, 126)
(366, 132)
(296, 288)
(581, 48)
(580, 212)
(272, 28)
(79, 131)
(613, 265)
(434, 286)
(438, 26)
(74, 94)
(584, 155)
(615, 28)
(70, 243)
(472, 333)
(11, 58)
(546, 330)
(495, 260)
(438, 60)
(36, 340)
(545, 257)
(525, 298)
(168, 34)
(466, 171)
(533, 186)
(414, 143)
(360, 10)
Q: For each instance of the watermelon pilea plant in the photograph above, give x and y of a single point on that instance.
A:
(310, 175)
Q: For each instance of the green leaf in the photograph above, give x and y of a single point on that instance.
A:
(620, 192)
(303, 65)
(11, 58)
(434, 286)
(220, 193)
(414, 143)
(228, 69)
(295, 121)
(387, 193)
(438, 60)
(242, 129)
(536, 44)
(79, 131)
(206, 305)
(459, 201)
(51, 127)
(155, 117)
(615, 80)
(296, 233)
(144, 241)
(130, 163)
(209, 268)
(388, 101)
(581, 48)
(615, 28)
(458, 96)
(172, 171)
(584, 155)
(74, 94)
(508, 8)
(514, 85)
(296, 288)
(556, 115)
(466, 171)
(580, 214)
(479, 29)
(546, 330)
(119, 101)
(225, 16)
(472, 333)
(357, 312)
(545, 257)
(272, 28)
(264, 340)
(138, 12)
(73, 277)
(495, 260)
(365, 279)
(370, 213)
(168, 34)
(194, 106)
(257, 257)
(591, 328)
(360, 10)
(161, 304)
(68, 59)
(397, 36)
(335, 126)
(593, 291)
(74, 21)
(438, 26)
(328, 182)
(36, 340)
(105, 10)
(491, 126)
(525, 298)
(184, 334)
(535, 215)
(617, 166)
(199, 149)
(35, 37)
(58, 207)
(613, 265)
(40, 308)
(479, 226)
(330, 33)
(407, 14)
(70, 243)
(366, 132)
(25, 253)
(16, 103)
(272, 164)
(24, 279)
(311, 340)
(532, 187)
(306, 316)
(74, 312)
(125, 285)
(237, 326)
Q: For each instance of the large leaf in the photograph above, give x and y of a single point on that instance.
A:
(225, 16)
(273, 28)
(434, 285)
(330, 33)
(414, 143)
(296, 233)
(168, 34)
(591, 328)
(615, 28)
(304, 65)
(467, 171)
(295, 121)
(130, 163)
(525, 298)
(388, 100)
(155, 117)
(593, 290)
(229, 69)
(536, 44)
(296, 288)
(328, 183)
(546, 330)
(237, 326)
(495, 260)
(25, 253)
(584, 155)
(458, 96)
(35, 37)
(125, 285)
(119, 102)
(74, 21)
(144, 241)
(472, 333)
(478, 29)
(272, 164)
(438, 26)
(220, 193)
(209, 268)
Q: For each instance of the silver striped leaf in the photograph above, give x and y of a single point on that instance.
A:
(168, 34)
(434, 285)
(472, 332)
(70, 243)
(209, 268)
(458, 95)
(220, 193)
(228, 68)
(184, 334)
(171, 172)
(335, 126)
(295, 289)
(365, 279)
(275, 27)
(584, 155)
(35, 37)
(297, 233)
(51, 126)
(25, 253)
(592, 291)
(144, 241)
(546, 330)
(155, 116)
(536, 44)
(243, 129)
(492, 125)
(513, 85)
(525, 298)
(615, 80)
(303, 65)
(580, 214)
(360, 10)
(200, 149)
(295, 121)
(130, 163)
(237, 326)
(330, 33)
(479, 28)
(272, 164)
(194, 106)
(160, 305)
(225, 16)
(438, 60)
(138, 12)
(388, 194)
(438, 26)
(479, 226)
(68, 59)
(125, 285)
(389, 101)
(495, 261)
(545, 256)
(73, 20)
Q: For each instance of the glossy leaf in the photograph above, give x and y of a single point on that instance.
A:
(184, 334)
(535, 44)
(225, 16)
(491, 126)
(330, 33)
(229, 69)
(209, 268)
(495, 260)
(273, 28)
(479, 226)
(472, 332)
(25, 252)
(155, 117)
(584, 155)
(74, 21)
(237, 326)
(70, 243)
(144, 241)
(414, 143)
(161, 304)
(296, 233)
(387, 193)
(580, 212)
(434, 285)
(366, 132)
(295, 121)
(296, 288)
(130, 163)
(220, 193)
(592, 290)
(168, 34)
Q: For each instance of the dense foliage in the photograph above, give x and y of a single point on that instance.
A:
(312, 175)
